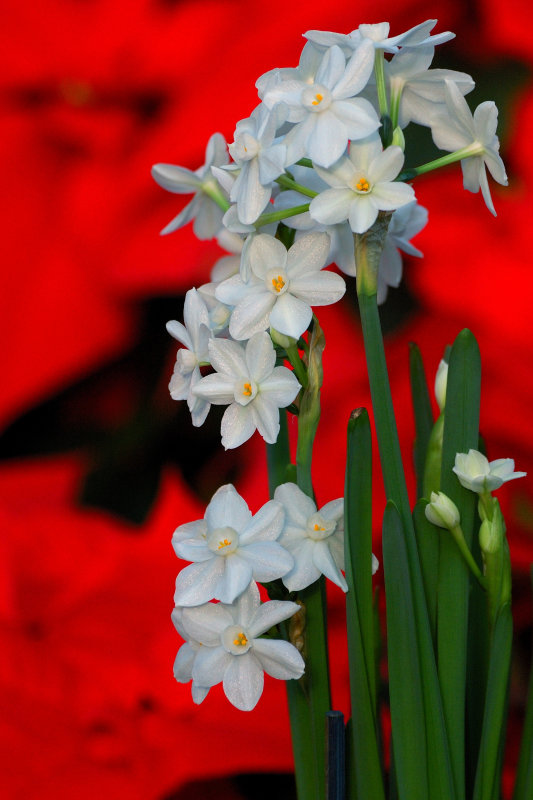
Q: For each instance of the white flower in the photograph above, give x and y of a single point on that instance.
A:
(179, 180)
(417, 90)
(363, 184)
(229, 548)
(232, 651)
(325, 113)
(479, 475)
(185, 658)
(282, 287)
(377, 37)
(458, 130)
(259, 159)
(315, 538)
(442, 511)
(254, 389)
(194, 336)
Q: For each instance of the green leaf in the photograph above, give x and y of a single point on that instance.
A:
(422, 412)
(493, 731)
(523, 789)
(427, 539)
(363, 754)
(461, 432)
(406, 698)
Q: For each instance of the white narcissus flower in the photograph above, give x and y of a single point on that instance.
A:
(314, 538)
(282, 287)
(417, 91)
(326, 112)
(249, 383)
(377, 37)
(405, 223)
(459, 130)
(194, 336)
(259, 160)
(362, 185)
(180, 180)
(232, 651)
(229, 547)
(479, 475)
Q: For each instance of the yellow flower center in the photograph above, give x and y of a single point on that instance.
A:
(318, 527)
(318, 99)
(362, 185)
(278, 283)
(247, 390)
(223, 543)
(241, 640)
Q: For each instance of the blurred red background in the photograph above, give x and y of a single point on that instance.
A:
(98, 464)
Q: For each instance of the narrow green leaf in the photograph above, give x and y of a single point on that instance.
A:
(461, 432)
(278, 455)
(363, 755)
(427, 539)
(406, 699)
(422, 412)
(493, 731)
(523, 789)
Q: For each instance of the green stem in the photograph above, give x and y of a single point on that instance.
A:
(458, 155)
(212, 190)
(289, 183)
(379, 72)
(458, 535)
(297, 364)
(279, 216)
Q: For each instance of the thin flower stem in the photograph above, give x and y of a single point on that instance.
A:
(289, 183)
(278, 216)
(212, 190)
(458, 155)
(297, 364)
(379, 72)
(458, 535)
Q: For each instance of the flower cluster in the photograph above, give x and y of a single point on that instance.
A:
(317, 163)
(231, 550)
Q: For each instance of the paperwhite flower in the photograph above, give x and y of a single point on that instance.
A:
(232, 651)
(254, 389)
(377, 37)
(325, 111)
(194, 336)
(283, 286)
(259, 159)
(305, 72)
(458, 129)
(314, 538)
(229, 548)
(185, 658)
(180, 180)
(479, 475)
(418, 90)
(225, 267)
(442, 511)
(363, 184)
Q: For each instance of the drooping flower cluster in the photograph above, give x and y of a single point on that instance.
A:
(317, 163)
(231, 550)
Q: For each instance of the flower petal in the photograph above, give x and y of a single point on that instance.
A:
(236, 578)
(271, 613)
(266, 253)
(265, 415)
(331, 206)
(210, 665)
(298, 506)
(237, 425)
(243, 681)
(252, 313)
(205, 623)
(228, 357)
(325, 562)
(307, 254)
(227, 509)
(363, 213)
(195, 583)
(305, 571)
(279, 659)
(217, 388)
(290, 315)
(319, 288)
(281, 387)
(266, 525)
(268, 560)
(260, 357)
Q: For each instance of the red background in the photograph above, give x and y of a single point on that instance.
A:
(92, 93)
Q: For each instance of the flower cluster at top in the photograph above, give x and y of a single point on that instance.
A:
(316, 162)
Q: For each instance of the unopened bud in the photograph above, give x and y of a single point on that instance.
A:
(442, 511)
(441, 379)
(398, 138)
(281, 339)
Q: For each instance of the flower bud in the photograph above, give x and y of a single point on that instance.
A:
(281, 339)
(398, 138)
(492, 531)
(442, 511)
(441, 379)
